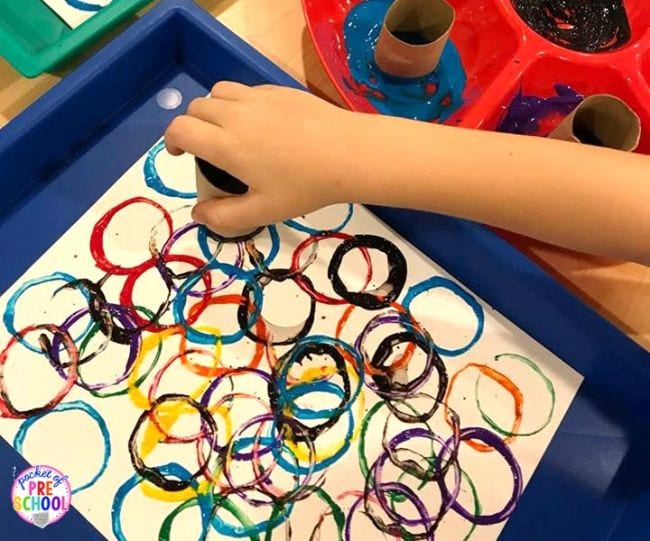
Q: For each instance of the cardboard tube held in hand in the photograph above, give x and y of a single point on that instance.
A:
(212, 182)
(413, 37)
(601, 120)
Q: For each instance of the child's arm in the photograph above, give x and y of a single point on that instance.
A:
(299, 153)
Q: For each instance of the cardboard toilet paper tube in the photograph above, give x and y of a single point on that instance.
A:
(212, 182)
(413, 37)
(601, 120)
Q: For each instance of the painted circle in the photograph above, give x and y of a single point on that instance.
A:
(445, 283)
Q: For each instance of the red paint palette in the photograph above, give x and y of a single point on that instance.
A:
(501, 55)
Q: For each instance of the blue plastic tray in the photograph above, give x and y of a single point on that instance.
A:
(594, 480)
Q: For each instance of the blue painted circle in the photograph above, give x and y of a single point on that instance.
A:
(232, 270)
(152, 178)
(294, 224)
(439, 281)
(198, 337)
(9, 315)
(76, 405)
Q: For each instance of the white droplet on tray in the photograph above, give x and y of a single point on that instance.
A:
(169, 98)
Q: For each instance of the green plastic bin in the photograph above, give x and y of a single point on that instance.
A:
(34, 39)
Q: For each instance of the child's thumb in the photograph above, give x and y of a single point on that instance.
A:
(230, 216)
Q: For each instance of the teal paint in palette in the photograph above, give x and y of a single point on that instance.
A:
(436, 96)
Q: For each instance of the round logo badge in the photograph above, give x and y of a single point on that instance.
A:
(41, 495)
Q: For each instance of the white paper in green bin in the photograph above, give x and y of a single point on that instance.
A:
(72, 443)
(76, 12)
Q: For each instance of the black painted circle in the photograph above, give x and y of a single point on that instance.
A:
(370, 300)
(153, 474)
(263, 279)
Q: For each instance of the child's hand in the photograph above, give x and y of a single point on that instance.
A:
(288, 146)
(298, 153)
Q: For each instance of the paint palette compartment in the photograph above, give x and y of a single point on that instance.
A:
(501, 55)
(34, 39)
(594, 479)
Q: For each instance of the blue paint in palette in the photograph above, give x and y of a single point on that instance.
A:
(436, 96)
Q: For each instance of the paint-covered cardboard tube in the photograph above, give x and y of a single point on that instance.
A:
(211, 183)
(413, 36)
(601, 120)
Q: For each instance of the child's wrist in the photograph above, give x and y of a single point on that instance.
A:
(382, 159)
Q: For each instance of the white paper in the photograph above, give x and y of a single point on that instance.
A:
(71, 441)
(75, 12)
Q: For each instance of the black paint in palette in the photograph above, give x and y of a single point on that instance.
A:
(588, 26)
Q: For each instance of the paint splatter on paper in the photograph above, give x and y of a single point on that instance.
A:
(322, 380)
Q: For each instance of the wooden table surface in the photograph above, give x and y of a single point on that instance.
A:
(619, 291)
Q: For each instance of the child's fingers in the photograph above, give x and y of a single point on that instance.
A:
(213, 110)
(268, 87)
(231, 216)
(190, 134)
(229, 90)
